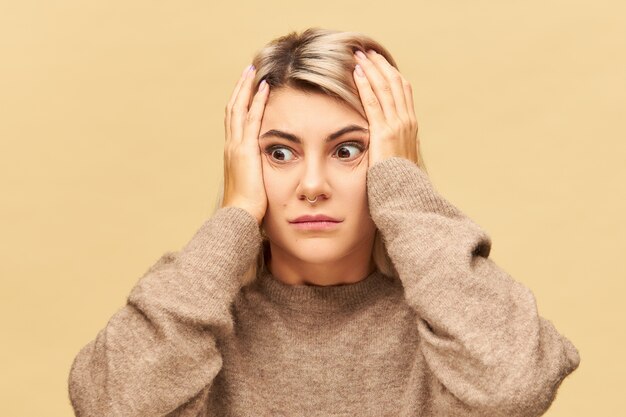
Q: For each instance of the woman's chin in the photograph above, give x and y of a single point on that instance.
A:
(319, 249)
(318, 255)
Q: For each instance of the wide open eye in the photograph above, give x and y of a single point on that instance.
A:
(343, 149)
(278, 153)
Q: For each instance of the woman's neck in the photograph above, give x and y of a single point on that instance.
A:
(293, 271)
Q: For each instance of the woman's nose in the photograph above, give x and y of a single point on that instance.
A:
(313, 181)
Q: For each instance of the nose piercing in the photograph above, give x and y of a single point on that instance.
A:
(311, 201)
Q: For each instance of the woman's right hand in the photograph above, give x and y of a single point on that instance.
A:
(243, 172)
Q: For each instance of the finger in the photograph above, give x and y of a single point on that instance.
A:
(408, 94)
(252, 124)
(379, 85)
(233, 96)
(394, 79)
(371, 105)
(239, 110)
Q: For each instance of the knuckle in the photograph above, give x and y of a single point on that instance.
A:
(239, 108)
(388, 134)
(397, 125)
(371, 101)
(251, 118)
(395, 76)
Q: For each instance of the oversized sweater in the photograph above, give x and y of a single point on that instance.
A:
(452, 334)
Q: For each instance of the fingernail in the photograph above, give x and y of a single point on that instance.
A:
(246, 69)
(360, 54)
(359, 70)
(262, 85)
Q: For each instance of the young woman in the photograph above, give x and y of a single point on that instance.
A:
(332, 278)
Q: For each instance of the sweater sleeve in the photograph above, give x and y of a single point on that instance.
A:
(486, 347)
(158, 354)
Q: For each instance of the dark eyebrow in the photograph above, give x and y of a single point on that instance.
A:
(293, 138)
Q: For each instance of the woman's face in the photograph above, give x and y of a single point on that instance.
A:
(311, 166)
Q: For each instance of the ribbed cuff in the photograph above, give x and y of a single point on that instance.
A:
(398, 183)
(226, 244)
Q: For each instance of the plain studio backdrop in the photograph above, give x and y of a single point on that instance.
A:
(112, 136)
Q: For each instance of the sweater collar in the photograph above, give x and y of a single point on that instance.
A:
(312, 298)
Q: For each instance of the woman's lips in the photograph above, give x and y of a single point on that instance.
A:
(317, 225)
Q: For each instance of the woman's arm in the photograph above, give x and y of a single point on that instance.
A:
(480, 333)
(158, 354)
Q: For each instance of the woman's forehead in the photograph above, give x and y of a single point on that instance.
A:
(304, 114)
(351, 128)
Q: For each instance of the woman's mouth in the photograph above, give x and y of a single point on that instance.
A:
(316, 225)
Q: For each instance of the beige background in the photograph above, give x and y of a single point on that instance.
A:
(111, 144)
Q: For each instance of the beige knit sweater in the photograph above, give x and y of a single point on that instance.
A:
(454, 335)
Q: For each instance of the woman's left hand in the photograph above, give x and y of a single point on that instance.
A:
(388, 102)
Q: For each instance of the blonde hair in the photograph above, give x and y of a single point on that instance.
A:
(317, 60)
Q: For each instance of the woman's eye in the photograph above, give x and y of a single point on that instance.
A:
(343, 154)
(278, 152)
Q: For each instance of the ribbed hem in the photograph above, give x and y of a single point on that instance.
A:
(324, 299)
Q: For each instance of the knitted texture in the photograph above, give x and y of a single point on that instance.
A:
(452, 335)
